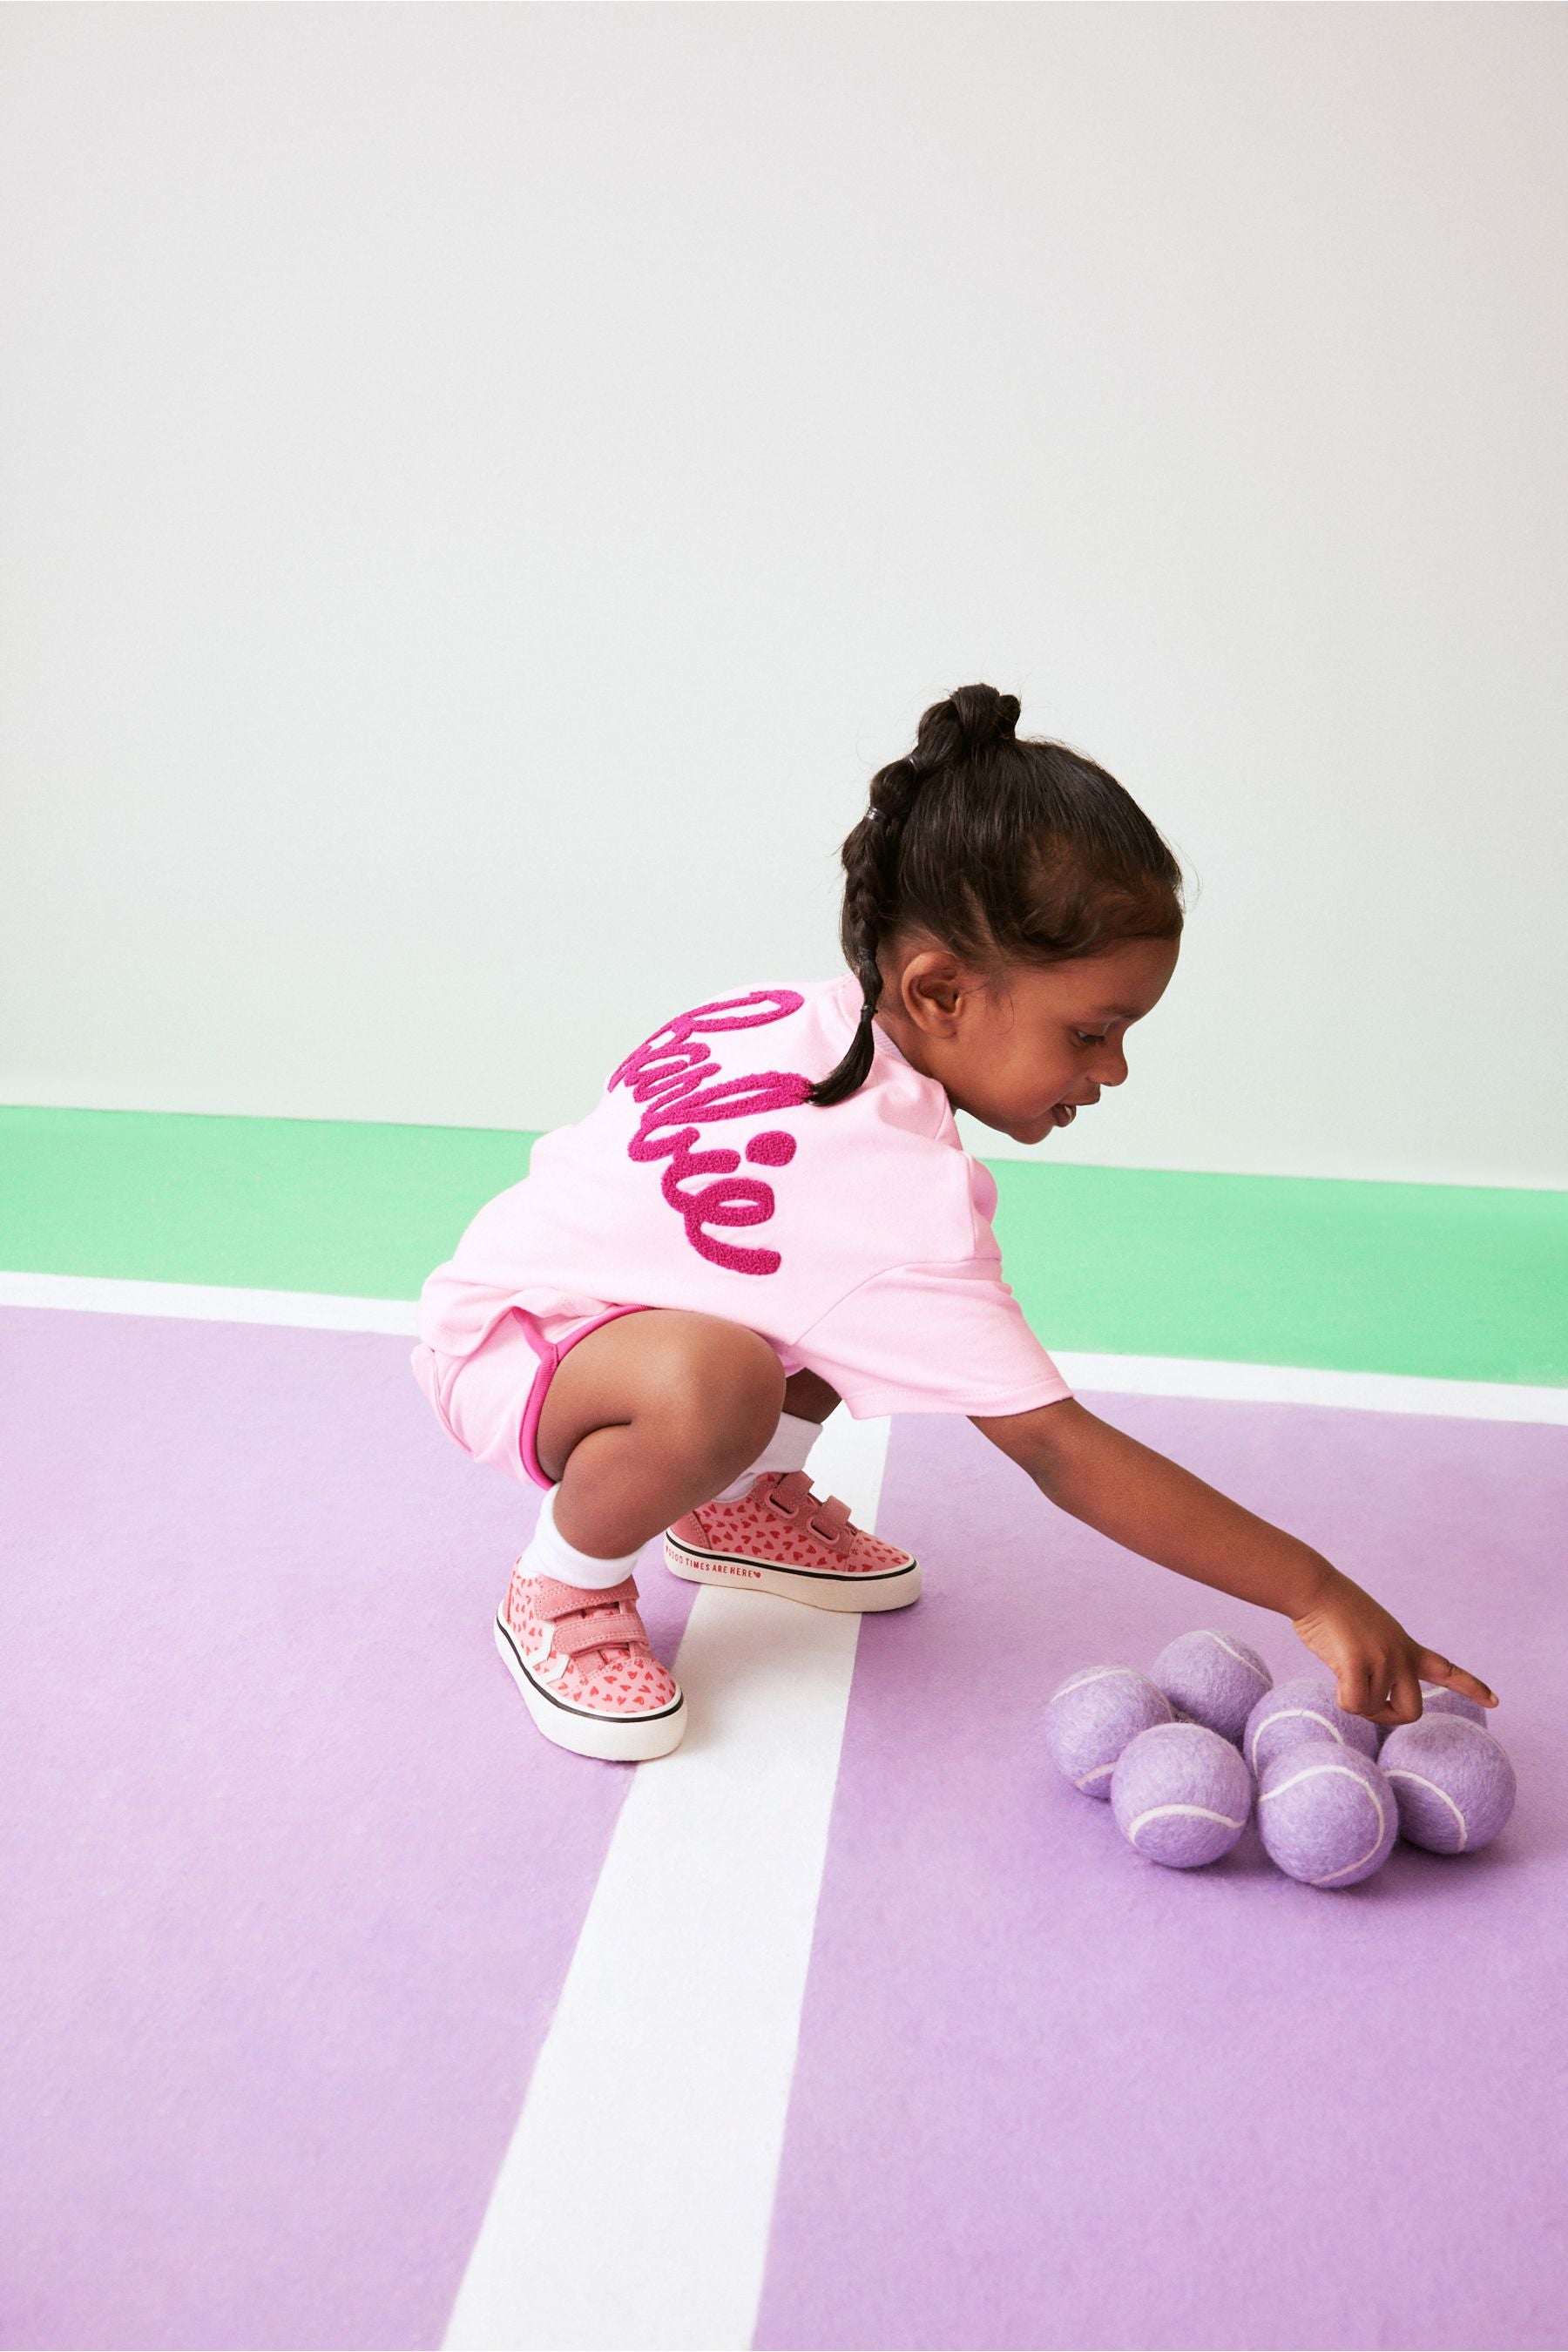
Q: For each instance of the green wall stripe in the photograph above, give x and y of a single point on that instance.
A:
(342, 1205)
(1455, 1282)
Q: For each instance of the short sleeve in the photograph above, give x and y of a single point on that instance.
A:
(932, 1338)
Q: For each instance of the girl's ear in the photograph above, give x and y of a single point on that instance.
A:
(929, 989)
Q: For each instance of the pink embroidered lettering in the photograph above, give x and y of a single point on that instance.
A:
(667, 1073)
(774, 1149)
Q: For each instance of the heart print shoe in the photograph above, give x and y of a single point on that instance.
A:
(582, 1660)
(780, 1538)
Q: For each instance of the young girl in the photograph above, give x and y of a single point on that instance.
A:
(770, 1210)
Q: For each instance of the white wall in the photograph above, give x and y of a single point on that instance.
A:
(483, 487)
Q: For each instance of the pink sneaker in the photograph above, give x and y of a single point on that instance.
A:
(582, 1663)
(781, 1538)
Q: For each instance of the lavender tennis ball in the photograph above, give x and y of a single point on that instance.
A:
(1212, 1678)
(1181, 1794)
(1452, 1782)
(1325, 1812)
(1305, 1708)
(1092, 1716)
(1437, 1698)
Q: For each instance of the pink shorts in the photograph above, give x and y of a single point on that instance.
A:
(490, 1401)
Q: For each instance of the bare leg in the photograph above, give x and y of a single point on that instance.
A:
(650, 1415)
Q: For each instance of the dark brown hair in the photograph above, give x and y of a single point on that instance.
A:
(1003, 850)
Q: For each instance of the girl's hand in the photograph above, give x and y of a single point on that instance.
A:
(1138, 1498)
(1377, 1665)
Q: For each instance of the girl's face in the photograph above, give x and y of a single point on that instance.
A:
(1026, 1052)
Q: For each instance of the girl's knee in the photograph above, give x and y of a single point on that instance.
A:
(720, 1381)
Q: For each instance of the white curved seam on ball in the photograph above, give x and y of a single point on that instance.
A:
(1306, 1774)
(1235, 1653)
(1204, 1813)
(1284, 1715)
(1359, 1863)
(1099, 1773)
(1362, 1859)
(1095, 1674)
(1403, 1772)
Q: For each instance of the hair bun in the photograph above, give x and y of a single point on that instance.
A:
(983, 717)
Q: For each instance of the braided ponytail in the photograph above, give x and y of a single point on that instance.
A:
(998, 849)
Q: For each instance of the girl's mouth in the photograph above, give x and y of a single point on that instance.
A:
(1063, 1114)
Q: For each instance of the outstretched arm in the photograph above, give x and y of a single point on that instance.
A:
(1137, 1498)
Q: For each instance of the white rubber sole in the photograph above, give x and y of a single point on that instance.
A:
(613, 1739)
(861, 1595)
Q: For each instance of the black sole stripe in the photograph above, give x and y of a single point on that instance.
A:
(584, 1714)
(787, 1567)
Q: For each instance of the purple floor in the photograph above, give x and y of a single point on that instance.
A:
(1051, 2094)
(291, 1890)
(290, 1887)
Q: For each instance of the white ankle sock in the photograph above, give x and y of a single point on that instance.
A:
(786, 1449)
(549, 1554)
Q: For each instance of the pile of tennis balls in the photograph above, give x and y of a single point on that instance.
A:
(1184, 1752)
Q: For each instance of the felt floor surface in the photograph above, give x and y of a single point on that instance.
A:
(290, 1886)
(291, 1890)
(1049, 2094)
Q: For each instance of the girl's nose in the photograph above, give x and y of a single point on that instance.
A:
(1110, 1066)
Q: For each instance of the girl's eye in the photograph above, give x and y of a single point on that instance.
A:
(1091, 1037)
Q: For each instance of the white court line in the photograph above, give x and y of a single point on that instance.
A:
(1191, 1376)
(1187, 1376)
(634, 2204)
(201, 1302)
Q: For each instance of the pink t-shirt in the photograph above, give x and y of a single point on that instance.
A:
(855, 1239)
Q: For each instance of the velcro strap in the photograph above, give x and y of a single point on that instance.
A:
(598, 1632)
(552, 1599)
(832, 1521)
(792, 1490)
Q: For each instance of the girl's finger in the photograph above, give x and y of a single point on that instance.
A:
(1434, 1669)
(1405, 1696)
(1387, 1684)
(1372, 1700)
(1354, 1688)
